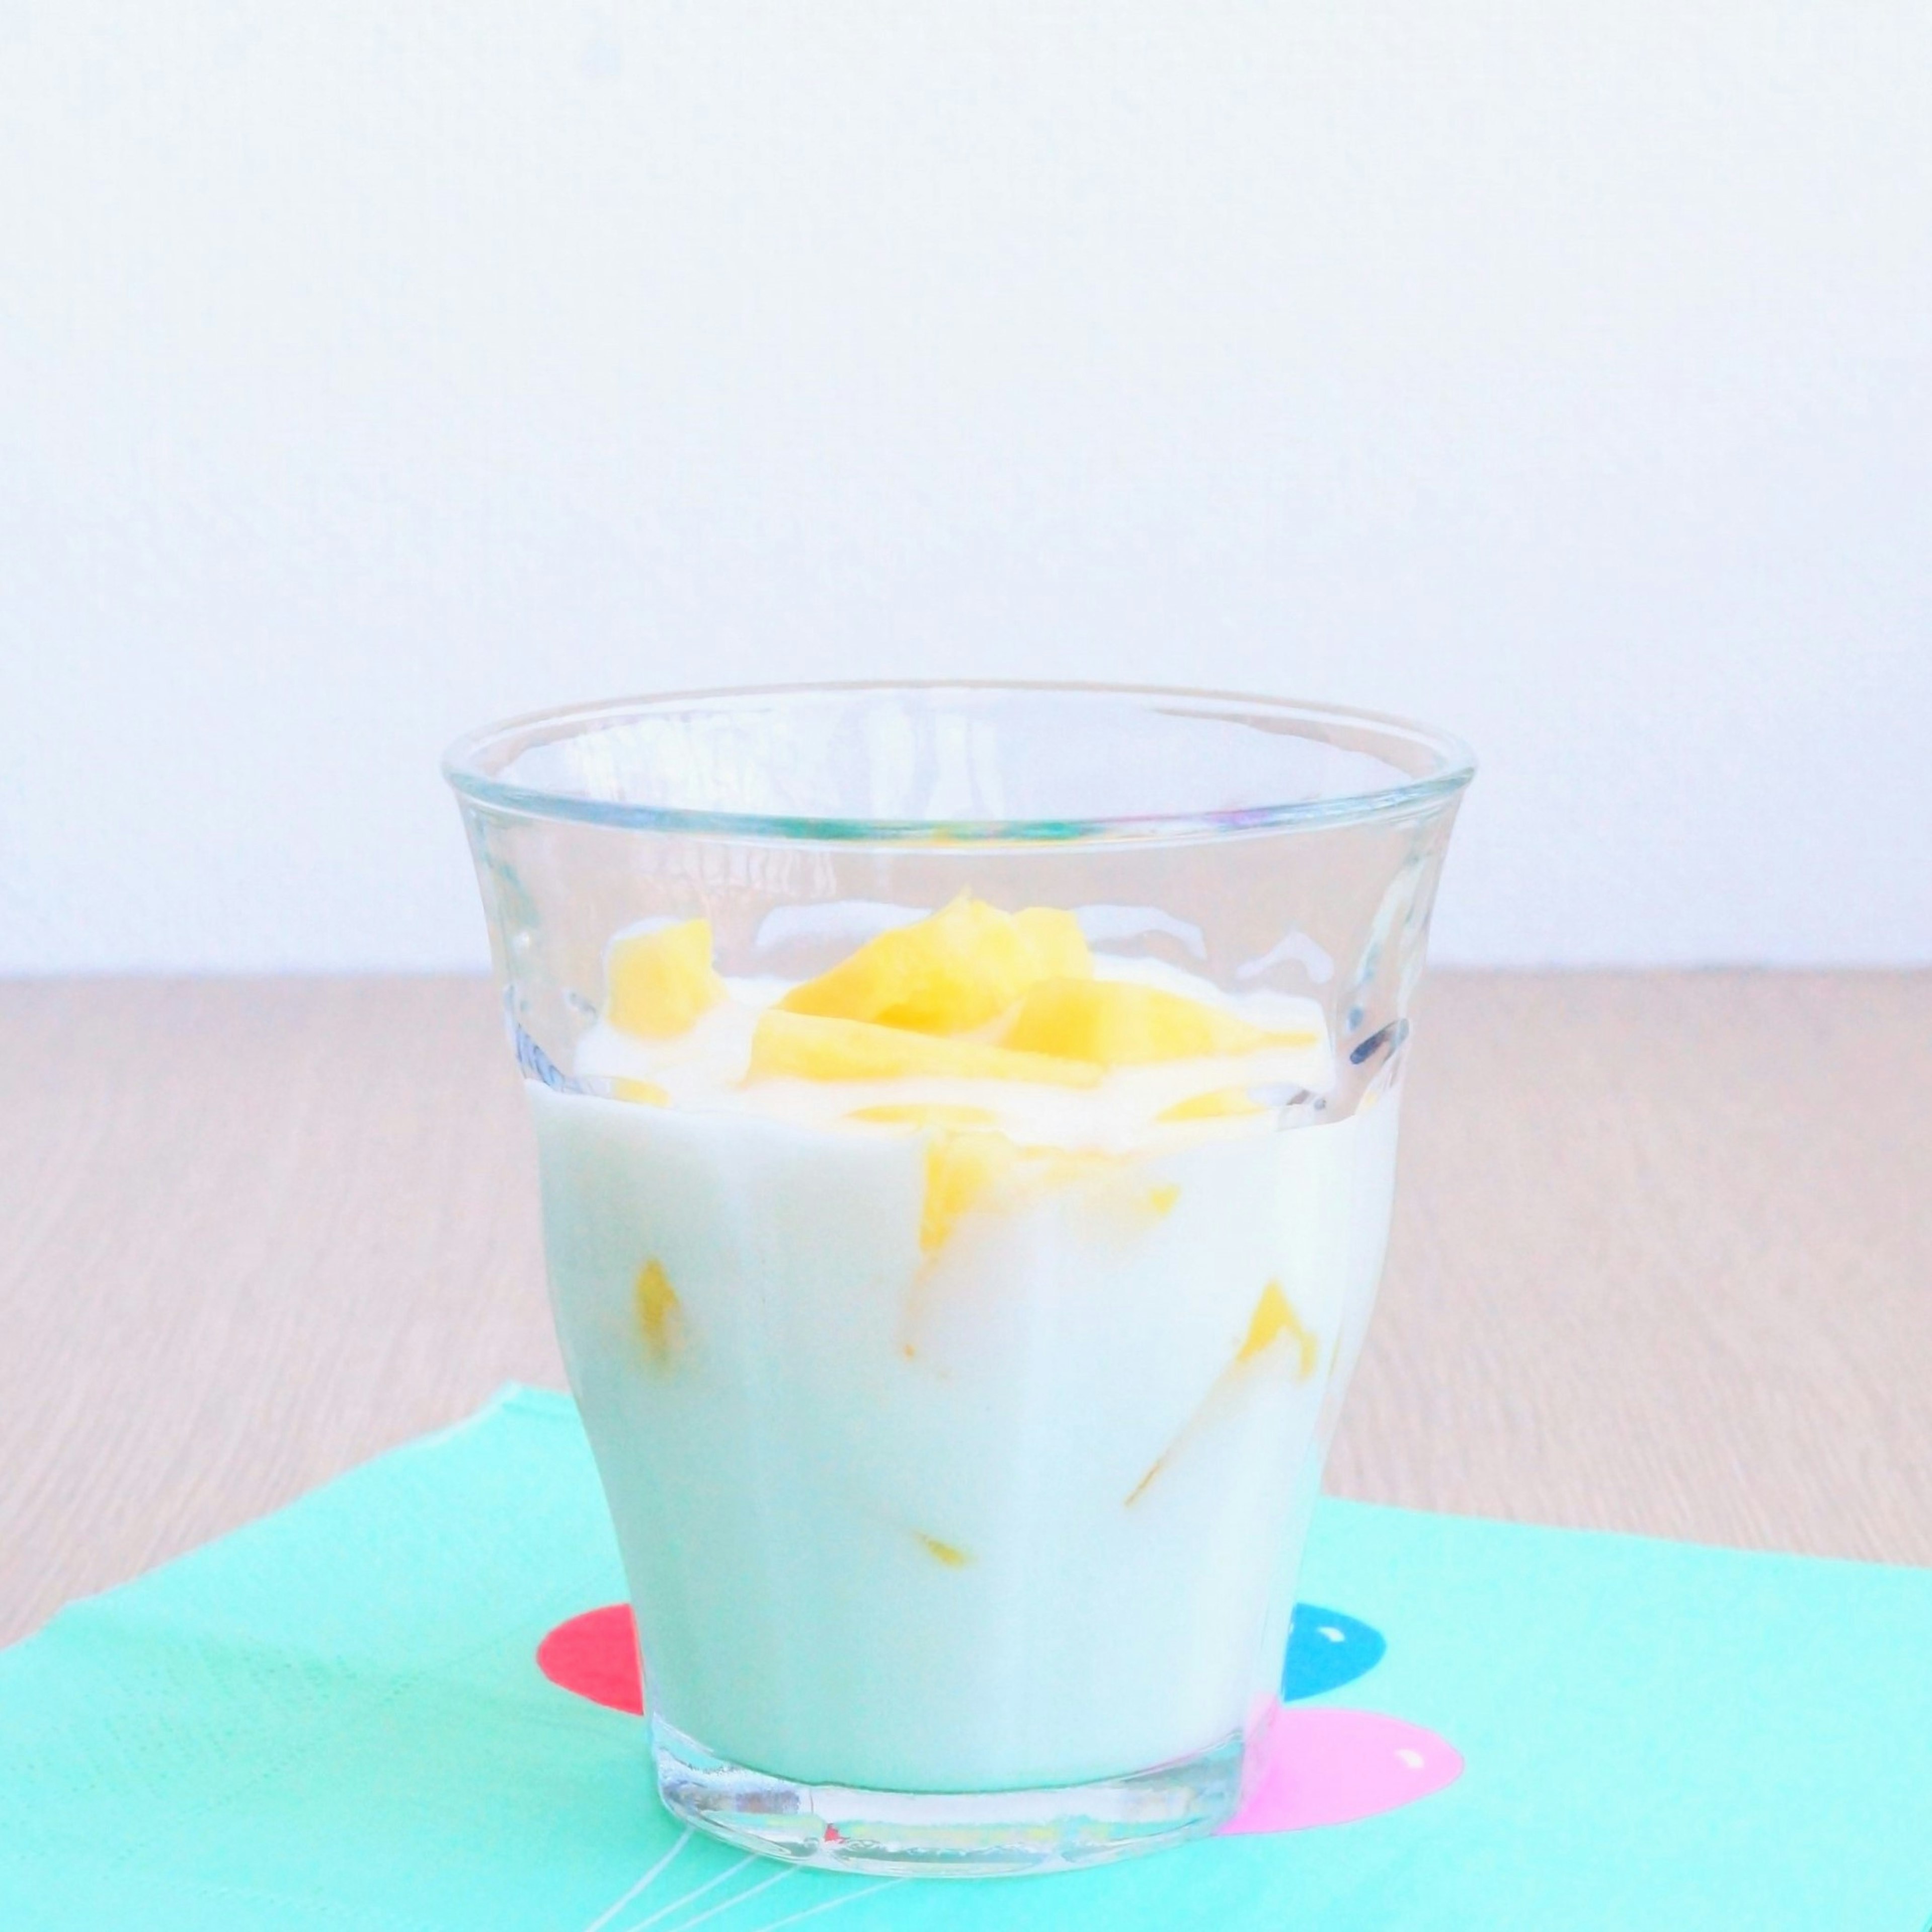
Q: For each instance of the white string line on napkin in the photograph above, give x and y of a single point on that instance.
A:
(696, 1891)
(611, 1912)
(664, 1863)
(846, 1898)
(751, 1891)
(738, 1898)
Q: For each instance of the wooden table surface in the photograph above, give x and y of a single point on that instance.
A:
(1662, 1260)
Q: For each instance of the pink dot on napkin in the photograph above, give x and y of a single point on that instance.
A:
(1323, 1764)
(595, 1655)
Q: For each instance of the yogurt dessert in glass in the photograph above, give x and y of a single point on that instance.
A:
(967, 1121)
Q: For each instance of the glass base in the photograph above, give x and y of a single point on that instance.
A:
(947, 1835)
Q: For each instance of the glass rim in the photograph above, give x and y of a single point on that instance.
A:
(464, 769)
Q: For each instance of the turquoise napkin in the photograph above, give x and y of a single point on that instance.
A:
(336, 1718)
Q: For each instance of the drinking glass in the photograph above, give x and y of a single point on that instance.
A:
(967, 1121)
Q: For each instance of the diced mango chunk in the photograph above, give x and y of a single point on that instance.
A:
(916, 1114)
(1061, 1167)
(808, 1048)
(639, 1093)
(956, 970)
(661, 983)
(1119, 1195)
(1059, 946)
(659, 1312)
(1123, 1023)
(1274, 1319)
(1225, 1103)
(961, 1169)
(1146, 1483)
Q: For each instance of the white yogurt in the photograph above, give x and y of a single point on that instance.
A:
(1010, 1510)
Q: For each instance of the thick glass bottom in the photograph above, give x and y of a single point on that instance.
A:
(941, 1834)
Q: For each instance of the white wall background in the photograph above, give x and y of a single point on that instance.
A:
(1561, 374)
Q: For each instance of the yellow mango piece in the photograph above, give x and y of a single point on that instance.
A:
(956, 970)
(1131, 1208)
(1122, 1201)
(1061, 1167)
(643, 1093)
(1059, 946)
(913, 1114)
(660, 983)
(806, 1047)
(961, 1169)
(1122, 1023)
(660, 1314)
(950, 1554)
(1225, 1103)
(1274, 1320)
(1146, 1483)
(1274, 1317)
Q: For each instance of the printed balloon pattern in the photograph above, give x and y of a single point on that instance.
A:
(1309, 1764)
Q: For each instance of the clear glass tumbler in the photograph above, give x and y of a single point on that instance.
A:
(967, 1121)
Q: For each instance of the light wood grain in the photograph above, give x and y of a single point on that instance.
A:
(1663, 1258)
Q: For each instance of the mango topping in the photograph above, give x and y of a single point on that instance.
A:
(917, 1114)
(808, 1047)
(1273, 1318)
(1225, 1103)
(1124, 1203)
(960, 1169)
(659, 984)
(660, 1314)
(1146, 1483)
(1059, 1167)
(949, 973)
(1122, 1023)
(642, 1092)
(1059, 946)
